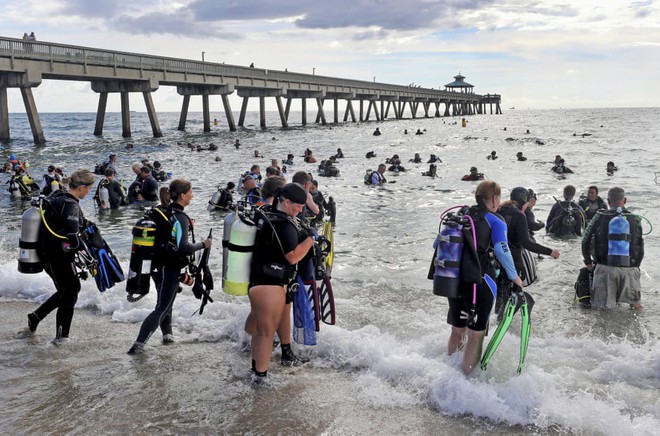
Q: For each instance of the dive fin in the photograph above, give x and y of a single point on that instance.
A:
(509, 311)
(524, 333)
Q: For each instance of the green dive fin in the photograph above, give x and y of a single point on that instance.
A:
(509, 311)
(524, 334)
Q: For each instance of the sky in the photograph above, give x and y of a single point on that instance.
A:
(537, 54)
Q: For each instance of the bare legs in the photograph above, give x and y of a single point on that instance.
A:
(472, 342)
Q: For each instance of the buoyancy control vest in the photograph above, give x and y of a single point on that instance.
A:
(455, 258)
(142, 254)
(52, 184)
(618, 239)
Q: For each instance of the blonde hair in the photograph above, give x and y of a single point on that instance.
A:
(486, 190)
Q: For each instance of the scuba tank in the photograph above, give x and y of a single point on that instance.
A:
(214, 201)
(104, 195)
(618, 240)
(142, 252)
(14, 189)
(239, 257)
(226, 233)
(28, 258)
(449, 252)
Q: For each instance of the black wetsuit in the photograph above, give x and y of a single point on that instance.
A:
(115, 194)
(149, 189)
(557, 222)
(269, 264)
(518, 234)
(532, 223)
(591, 207)
(171, 257)
(63, 214)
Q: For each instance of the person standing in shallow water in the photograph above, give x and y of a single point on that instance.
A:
(172, 254)
(491, 232)
(65, 219)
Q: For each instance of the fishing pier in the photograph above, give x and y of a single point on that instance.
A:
(25, 64)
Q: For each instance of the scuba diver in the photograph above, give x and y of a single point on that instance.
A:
(520, 156)
(288, 160)
(377, 132)
(611, 168)
(370, 154)
(395, 164)
(432, 172)
(376, 177)
(279, 246)
(513, 212)
(340, 154)
(158, 173)
(473, 176)
(50, 181)
(532, 223)
(433, 159)
(561, 168)
(591, 203)
(21, 185)
(59, 241)
(327, 169)
(613, 248)
(566, 217)
(222, 199)
(416, 159)
(116, 196)
(492, 156)
(250, 190)
(470, 303)
(173, 252)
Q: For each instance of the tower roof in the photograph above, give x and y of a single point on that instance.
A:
(459, 83)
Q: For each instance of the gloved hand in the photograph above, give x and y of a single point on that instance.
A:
(309, 231)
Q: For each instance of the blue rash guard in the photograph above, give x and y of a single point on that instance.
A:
(501, 244)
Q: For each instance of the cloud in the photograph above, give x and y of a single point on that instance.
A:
(92, 9)
(384, 14)
(180, 24)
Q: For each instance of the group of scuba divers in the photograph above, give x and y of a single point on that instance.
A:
(483, 260)
(274, 253)
(276, 247)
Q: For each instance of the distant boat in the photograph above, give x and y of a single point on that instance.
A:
(512, 107)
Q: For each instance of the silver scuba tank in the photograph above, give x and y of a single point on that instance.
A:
(14, 189)
(213, 202)
(104, 195)
(28, 258)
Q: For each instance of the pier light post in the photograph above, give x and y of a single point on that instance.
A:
(203, 56)
(313, 71)
(374, 79)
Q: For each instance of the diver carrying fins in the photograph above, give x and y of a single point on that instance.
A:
(99, 259)
(519, 300)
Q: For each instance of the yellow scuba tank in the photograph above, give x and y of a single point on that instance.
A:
(239, 256)
(142, 252)
(28, 258)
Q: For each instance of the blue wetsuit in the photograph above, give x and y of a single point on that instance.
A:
(491, 232)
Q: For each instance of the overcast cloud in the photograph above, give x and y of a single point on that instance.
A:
(536, 53)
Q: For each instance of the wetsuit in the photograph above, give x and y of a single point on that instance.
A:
(557, 222)
(591, 207)
(115, 194)
(613, 284)
(173, 251)
(149, 189)
(63, 214)
(532, 223)
(269, 264)
(491, 234)
(518, 235)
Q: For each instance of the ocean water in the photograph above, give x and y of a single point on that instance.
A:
(383, 368)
